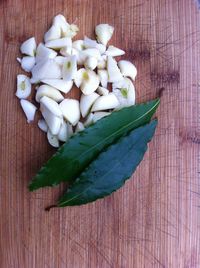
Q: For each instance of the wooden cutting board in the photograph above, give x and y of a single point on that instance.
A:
(154, 220)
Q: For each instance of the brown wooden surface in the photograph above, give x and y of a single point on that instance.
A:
(154, 221)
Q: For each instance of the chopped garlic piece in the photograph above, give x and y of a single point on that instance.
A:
(29, 110)
(23, 86)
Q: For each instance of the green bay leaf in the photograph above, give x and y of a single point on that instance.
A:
(111, 168)
(77, 153)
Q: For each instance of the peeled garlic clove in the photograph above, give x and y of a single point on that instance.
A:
(90, 82)
(51, 105)
(57, 44)
(48, 69)
(53, 33)
(125, 92)
(63, 132)
(79, 77)
(60, 21)
(98, 115)
(79, 127)
(70, 110)
(62, 85)
(28, 47)
(42, 125)
(103, 76)
(78, 45)
(90, 63)
(52, 139)
(89, 120)
(66, 51)
(102, 91)
(89, 43)
(106, 102)
(114, 51)
(23, 86)
(50, 92)
(104, 33)
(91, 52)
(114, 73)
(27, 63)
(29, 109)
(59, 60)
(127, 68)
(86, 103)
(53, 122)
(69, 69)
(43, 53)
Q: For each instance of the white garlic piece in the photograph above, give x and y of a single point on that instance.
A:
(63, 132)
(57, 44)
(23, 86)
(62, 85)
(90, 63)
(70, 110)
(86, 103)
(28, 47)
(114, 51)
(69, 69)
(103, 76)
(27, 63)
(51, 92)
(114, 73)
(43, 53)
(51, 105)
(53, 33)
(29, 109)
(42, 125)
(127, 69)
(104, 33)
(52, 139)
(106, 102)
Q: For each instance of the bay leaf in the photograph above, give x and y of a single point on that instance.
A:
(75, 155)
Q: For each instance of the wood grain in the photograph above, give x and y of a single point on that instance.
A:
(154, 221)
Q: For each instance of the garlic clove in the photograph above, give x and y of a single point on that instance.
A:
(43, 53)
(89, 120)
(42, 125)
(103, 76)
(70, 110)
(102, 91)
(60, 21)
(57, 44)
(52, 139)
(29, 109)
(98, 115)
(79, 127)
(86, 103)
(78, 79)
(114, 73)
(90, 63)
(48, 69)
(90, 82)
(27, 63)
(69, 69)
(125, 92)
(127, 69)
(53, 122)
(89, 43)
(23, 86)
(63, 132)
(28, 47)
(106, 102)
(51, 105)
(78, 45)
(53, 33)
(62, 85)
(104, 33)
(51, 92)
(114, 51)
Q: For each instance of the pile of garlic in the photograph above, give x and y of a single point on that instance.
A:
(58, 64)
